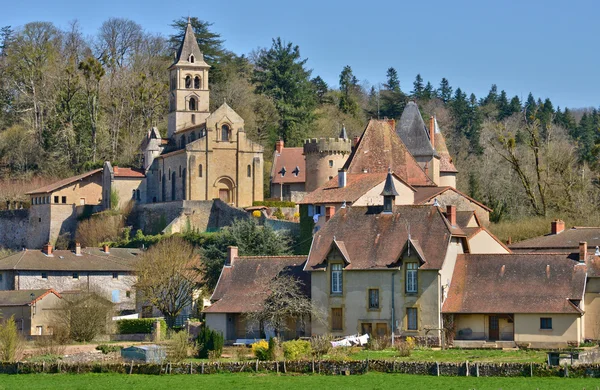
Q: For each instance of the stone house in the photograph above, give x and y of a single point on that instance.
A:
(288, 173)
(109, 271)
(243, 286)
(127, 183)
(32, 310)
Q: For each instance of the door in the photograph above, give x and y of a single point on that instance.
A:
(224, 195)
(494, 329)
(381, 329)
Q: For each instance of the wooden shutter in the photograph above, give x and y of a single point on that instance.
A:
(336, 319)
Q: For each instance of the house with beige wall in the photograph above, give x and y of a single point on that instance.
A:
(33, 310)
(128, 185)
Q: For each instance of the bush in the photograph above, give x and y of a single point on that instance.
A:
(179, 346)
(240, 353)
(321, 345)
(106, 349)
(139, 325)
(210, 341)
(260, 350)
(296, 349)
(278, 213)
(256, 214)
(273, 203)
(11, 343)
(405, 347)
(378, 343)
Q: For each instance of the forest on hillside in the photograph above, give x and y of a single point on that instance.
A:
(69, 102)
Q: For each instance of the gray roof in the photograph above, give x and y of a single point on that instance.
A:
(389, 189)
(91, 259)
(343, 133)
(413, 132)
(189, 46)
(23, 297)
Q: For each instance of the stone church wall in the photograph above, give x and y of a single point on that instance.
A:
(13, 228)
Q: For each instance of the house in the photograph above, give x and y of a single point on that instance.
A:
(560, 239)
(32, 310)
(533, 299)
(108, 270)
(243, 286)
(123, 185)
(288, 173)
(448, 195)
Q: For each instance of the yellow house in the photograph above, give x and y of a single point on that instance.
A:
(32, 310)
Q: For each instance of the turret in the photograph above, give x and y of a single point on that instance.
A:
(324, 158)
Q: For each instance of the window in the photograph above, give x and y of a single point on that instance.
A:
(336, 278)
(311, 210)
(193, 135)
(366, 328)
(115, 296)
(180, 171)
(159, 176)
(127, 294)
(411, 277)
(381, 329)
(132, 194)
(169, 173)
(249, 170)
(193, 119)
(197, 82)
(75, 275)
(337, 322)
(115, 275)
(182, 142)
(64, 199)
(188, 81)
(373, 298)
(0, 277)
(411, 319)
(546, 323)
(44, 275)
(192, 59)
(39, 330)
(224, 133)
(200, 170)
(192, 104)
(137, 195)
(330, 163)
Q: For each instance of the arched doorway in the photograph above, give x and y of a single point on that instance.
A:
(225, 190)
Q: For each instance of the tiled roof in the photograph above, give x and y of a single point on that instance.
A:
(566, 241)
(413, 132)
(243, 287)
(380, 149)
(64, 182)
(128, 172)
(23, 297)
(426, 193)
(291, 159)
(357, 185)
(515, 283)
(374, 240)
(446, 164)
(91, 259)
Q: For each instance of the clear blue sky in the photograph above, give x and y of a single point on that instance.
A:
(547, 47)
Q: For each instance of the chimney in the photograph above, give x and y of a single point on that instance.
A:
(279, 146)
(47, 249)
(582, 251)
(329, 212)
(232, 253)
(355, 141)
(557, 226)
(432, 130)
(451, 214)
(77, 249)
(342, 176)
(106, 248)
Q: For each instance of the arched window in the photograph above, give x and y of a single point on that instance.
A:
(169, 173)
(224, 133)
(192, 104)
(197, 82)
(188, 81)
(192, 59)
(193, 119)
(182, 142)
(249, 169)
(180, 171)
(200, 170)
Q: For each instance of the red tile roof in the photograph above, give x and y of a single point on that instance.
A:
(128, 172)
(381, 148)
(357, 185)
(242, 287)
(427, 193)
(290, 158)
(373, 240)
(515, 283)
(63, 183)
(566, 241)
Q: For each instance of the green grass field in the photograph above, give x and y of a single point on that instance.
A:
(248, 381)
(457, 355)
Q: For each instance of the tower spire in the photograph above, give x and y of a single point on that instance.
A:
(189, 51)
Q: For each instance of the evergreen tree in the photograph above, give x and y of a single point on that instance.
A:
(530, 107)
(321, 88)
(373, 104)
(515, 105)
(393, 99)
(444, 92)
(280, 74)
(348, 87)
(428, 92)
(492, 97)
(418, 88)
(504, 110)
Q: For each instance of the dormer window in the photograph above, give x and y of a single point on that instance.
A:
(282, 171)
(296, 171)
(191, 59)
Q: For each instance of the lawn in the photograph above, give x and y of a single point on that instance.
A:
(271, 381)
(458, 355)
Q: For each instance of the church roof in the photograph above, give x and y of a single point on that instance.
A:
(380, 149)
(413, 132)
(446, 164)
(189, 46)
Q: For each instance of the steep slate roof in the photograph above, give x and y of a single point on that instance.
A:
(425, 194)
(63, 183)
(91, 259)
(290, 158)
(243, 287)
(374, 240)
(413, 132)
(356, 186)
(515, 283)
(189, 45)
(379, 149)
(23, 297)
(446, 164)
(566, 241)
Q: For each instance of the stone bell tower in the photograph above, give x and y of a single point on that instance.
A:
(188, 85)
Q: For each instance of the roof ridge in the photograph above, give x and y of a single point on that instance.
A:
(20, 258)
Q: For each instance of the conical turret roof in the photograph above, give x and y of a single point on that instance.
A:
(446, 164)
(189, 46)
(389, 189)
(413, 132)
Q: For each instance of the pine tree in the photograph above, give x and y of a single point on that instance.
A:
(492, 97)
(321, 88)
(530, 107)
(504, 110)
(444, 92)
(373, 104)
(393, 99)
(348, 86)
(515, 105)
(418, 88)
(428, 92)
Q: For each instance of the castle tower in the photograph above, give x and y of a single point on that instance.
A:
(188, 85)
(324, 158)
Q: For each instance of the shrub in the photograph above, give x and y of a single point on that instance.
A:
(296, 349)
(179, 346)
(378, 343)
(99, 228)
(405, 347)
(106, 348)
(240, 353)
(260, 350)
(209, 340)
(11, 343)
(340, 353)
(139, 325)
(278, 213)
(273, 203)
(321, 345)
(256, 213)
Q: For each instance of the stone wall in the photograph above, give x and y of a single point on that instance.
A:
(13, 228)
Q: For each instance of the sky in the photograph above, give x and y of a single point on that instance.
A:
(549, 48)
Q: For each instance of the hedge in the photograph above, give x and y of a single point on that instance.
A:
(273, 203)
(139, 325)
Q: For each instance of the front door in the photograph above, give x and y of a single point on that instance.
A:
(224, 195)
(494, 328)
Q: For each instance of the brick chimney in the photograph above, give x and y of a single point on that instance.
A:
(557, 226)
(232, 253)
(77, 249)
(279, 146)
(342, 178)
(106, 248)
(582, 251)
(47, 249)
(329, 212)
(432, 130)
(451, 214)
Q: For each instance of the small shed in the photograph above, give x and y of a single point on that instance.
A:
(144, 353)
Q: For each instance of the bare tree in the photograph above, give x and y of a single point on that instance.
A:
(168, 276)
